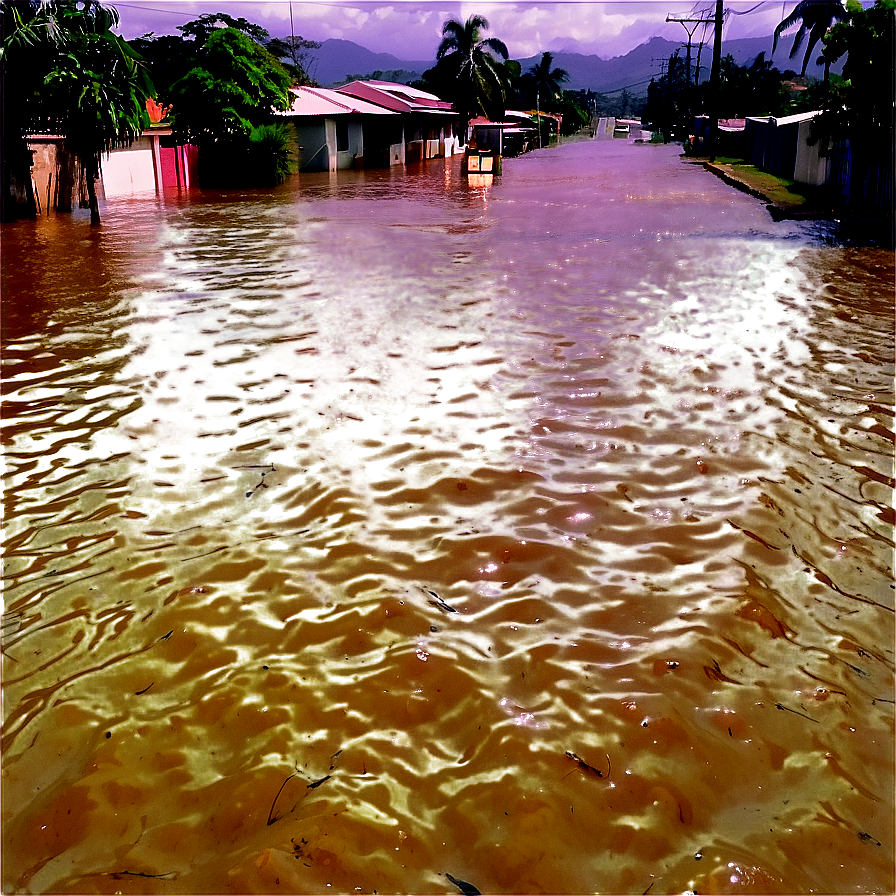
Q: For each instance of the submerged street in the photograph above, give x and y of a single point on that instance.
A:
(381, 527)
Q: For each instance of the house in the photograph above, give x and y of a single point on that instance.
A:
(337, 131)
(152, 163)
(429, 126)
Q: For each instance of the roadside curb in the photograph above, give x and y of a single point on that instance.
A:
(777, 210)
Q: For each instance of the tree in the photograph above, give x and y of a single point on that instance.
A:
(296, 50)
(202, 28)
(72, 70)
(168, 58)
(815, 18)
(232, 88)
(667, 104)
(544, 81)
(859, 108)
(470, 69)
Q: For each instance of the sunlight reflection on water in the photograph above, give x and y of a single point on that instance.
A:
(380, 527)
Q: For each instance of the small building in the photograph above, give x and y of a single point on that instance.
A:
(781, 146)
(430, 127)
(151, 163)
(337, 131)
(516, 133)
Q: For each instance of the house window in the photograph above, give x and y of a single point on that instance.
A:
(341, 135)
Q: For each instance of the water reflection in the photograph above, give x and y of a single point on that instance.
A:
(386, 526)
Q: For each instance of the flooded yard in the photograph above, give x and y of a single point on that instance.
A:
(383, 527)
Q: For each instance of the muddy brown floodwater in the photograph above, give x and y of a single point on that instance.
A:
(382, 527)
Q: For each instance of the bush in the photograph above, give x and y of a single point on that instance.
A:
(263, 158)
(271, 154)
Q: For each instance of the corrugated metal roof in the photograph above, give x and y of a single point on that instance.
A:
(397, 97)
(320, 101)
(791, 119)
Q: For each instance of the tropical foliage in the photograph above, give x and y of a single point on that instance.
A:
(232, 87)
(815, 18)
(754, 89)
(293, 53)
(63, 66)
(222, 83)
(470, 69)
(542, 83)
(861, 104)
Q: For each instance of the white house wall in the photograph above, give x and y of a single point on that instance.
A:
(129, 170)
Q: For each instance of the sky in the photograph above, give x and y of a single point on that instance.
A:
(411, 29)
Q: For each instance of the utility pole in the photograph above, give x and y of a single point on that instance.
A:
(685, 21)
(714, 81)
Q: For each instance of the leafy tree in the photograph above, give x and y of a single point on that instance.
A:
(168, 58)
(755, 89)
(860, 106)
(296, 50)
(73, 71)
(576, 112)
(470, 69)
(222, 84)
(666, 110)
(233, 86)
(201, 29)
(815, 18)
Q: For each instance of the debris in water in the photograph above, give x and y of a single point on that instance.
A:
(467, 888)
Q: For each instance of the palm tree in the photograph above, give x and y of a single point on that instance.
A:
(815, 18)
(477, 77)
(545, 80)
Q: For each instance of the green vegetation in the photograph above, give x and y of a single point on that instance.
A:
(222, 85)
(63, 67)
(860, 104)
(816, 18)
(475, 75)
(755, 89)
(787, 197)
(470, 69)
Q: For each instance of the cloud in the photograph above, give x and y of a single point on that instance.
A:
(411, 30)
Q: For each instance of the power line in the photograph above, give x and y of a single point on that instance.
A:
(170, 12)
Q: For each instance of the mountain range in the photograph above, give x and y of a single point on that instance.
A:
(336, 60)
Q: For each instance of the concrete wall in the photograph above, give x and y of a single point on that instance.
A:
(314, 148)
(130, 169)
(352, 157)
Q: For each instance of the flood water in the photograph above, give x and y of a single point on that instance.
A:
(382, 527)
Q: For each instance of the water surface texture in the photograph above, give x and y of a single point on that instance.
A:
(384, 527)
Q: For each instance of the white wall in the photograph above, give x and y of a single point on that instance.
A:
(129, 170)
(811, 167)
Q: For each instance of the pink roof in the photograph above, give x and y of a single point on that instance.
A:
(319, 101)
(397, 97)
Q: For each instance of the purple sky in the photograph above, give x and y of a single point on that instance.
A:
(411, 29)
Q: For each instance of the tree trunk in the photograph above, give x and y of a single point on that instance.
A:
(65, 177)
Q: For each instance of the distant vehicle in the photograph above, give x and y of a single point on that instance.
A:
(621, 130)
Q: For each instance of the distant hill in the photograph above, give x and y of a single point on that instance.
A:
(335, 60)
